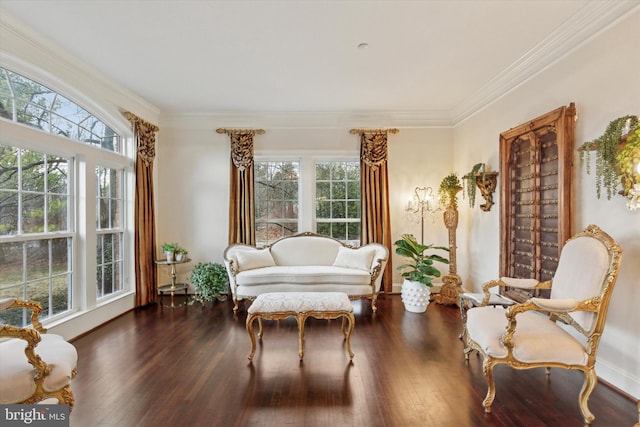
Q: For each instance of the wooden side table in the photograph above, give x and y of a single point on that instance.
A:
(173, 287)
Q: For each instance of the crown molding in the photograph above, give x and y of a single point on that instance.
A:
(308, 120)
(593, 18)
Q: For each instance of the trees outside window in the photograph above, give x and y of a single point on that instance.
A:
(322, 196)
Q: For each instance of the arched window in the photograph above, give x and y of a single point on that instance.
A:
(25, 101)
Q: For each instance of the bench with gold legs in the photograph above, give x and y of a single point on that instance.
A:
(281, 305)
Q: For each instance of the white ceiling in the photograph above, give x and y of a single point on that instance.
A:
(428, 62)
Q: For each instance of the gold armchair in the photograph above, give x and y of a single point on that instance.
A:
(528, 335)
(34, 365)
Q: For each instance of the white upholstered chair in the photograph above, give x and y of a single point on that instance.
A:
(535, 333)
(34, 365)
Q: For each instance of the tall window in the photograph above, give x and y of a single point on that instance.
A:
(45, 182)
(110, 233)
(35, 229)
(338, 200)
(276, 200)
(319, 196)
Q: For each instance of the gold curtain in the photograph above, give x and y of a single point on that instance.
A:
(144, 216)
(242, 217)
(374, 187)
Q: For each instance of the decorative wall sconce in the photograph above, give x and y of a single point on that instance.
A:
(487, 182)
(423, 205)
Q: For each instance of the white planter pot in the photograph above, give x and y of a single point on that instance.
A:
(415, 296)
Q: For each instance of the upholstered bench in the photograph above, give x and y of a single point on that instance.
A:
(320, 305)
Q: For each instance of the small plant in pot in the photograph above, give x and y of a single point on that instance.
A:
(210, 281)
(181, 254)
(169, 250)
(418, 272)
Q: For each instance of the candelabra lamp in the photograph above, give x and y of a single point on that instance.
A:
(422, 206)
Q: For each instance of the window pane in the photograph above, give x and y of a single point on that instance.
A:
(353, 209)
(109, 203)
(276, 198)
(61, 293)
(69, 109)
(323, 209)
(323, 228)
(57, 213)
(338, 199)
(339, 230)
(38, 291)
(32, 213)
(323, 190)
(323, 171)
(60, 255)
(6, 106)
(338, 210)
(353, 190)
(109, 278)
(8, 213)
(37, 259)
(8, 167)
(353, 232)
(57, 174)
(33, 171)
(338, 190)
(10, 264)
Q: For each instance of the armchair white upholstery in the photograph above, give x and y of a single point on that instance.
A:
(34, 365)
(528, 335)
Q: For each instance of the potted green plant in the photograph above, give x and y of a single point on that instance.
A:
(448, 189)
(169, 250)
(181, 254)
(417, 272)
(210, 282)
(606, 147)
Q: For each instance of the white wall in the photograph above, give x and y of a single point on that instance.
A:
(602, 77)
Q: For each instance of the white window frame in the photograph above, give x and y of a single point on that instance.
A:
(307, 184)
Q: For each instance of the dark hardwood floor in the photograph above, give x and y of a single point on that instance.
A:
(188, 367)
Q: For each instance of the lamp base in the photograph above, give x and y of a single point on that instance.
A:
(450, 291)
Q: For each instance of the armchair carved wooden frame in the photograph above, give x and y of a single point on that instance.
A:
(35, 365)
(528, 335)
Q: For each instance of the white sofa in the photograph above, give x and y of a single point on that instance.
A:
(305, 262)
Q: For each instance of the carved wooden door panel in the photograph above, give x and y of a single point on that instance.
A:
(536, 203)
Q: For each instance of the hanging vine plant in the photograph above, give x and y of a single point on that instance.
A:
(470, 182)
(606, 147)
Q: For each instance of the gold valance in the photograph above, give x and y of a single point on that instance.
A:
(373, 145)
(145, 134)
(241, 145)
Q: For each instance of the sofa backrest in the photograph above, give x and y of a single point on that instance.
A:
(305, 250)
